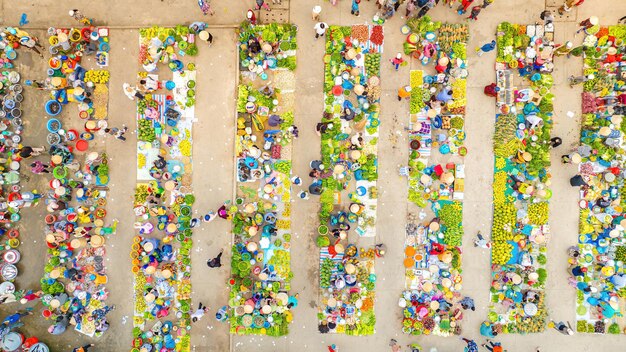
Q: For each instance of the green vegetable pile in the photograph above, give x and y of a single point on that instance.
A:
(372, 64)
(325, 273)
(146, 131)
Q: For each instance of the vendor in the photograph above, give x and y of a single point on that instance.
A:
(348, 114)
(445, 95)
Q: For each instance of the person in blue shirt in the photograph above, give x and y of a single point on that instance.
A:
(486, 48)
(355, 7)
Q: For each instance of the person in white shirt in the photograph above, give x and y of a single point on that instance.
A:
(320, 29)
(199, 313)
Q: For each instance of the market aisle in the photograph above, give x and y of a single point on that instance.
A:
(213, 165)
(122, 156)
(124, 13)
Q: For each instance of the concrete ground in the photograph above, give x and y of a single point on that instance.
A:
(213, 170)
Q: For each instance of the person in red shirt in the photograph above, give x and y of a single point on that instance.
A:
(465, 4)
(491, 90)
(251, 16)
(494, 346)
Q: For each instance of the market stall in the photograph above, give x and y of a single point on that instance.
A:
(521, 186)
(161, 250)
(14, 196)
(348, 181)
(598, 262)
(259, 301)
(435, 177)
(76, 229)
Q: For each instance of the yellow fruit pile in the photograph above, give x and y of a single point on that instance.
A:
(97, 76)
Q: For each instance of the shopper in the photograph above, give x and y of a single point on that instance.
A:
(39, 168)
(568, 5)
(471, 345)
(261, 4)
(397, 61)
(427, 7)
(493, 346)
(315, 14)
(547, 17)
(563, 49)
(355, 7)
(486, 48)
(404, 93)
(588, 23)
(215, 262)
(205, 6)
(491, 90)
(579, 79)
(27, 152)
(320, 29)
(251, 17)
(565, 329)
(465, 4)
(83, 348)
(555, 142)
(117, 132)
(468, 303)
(199, 313)
(475, 12)
(577, 181)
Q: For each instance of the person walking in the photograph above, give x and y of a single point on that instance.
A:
(465, 4)
(563, 49)
(568, 5)
(78, 16)
(117, 132)
(215, 262)
(39, 168)
(487, 3)
(355, 7)
(486, 48)
(395, 347)
(397, 61)
(404, 93)
(320, 29)
(475, 12)
(205, 6)
(261, 4)
(424, 9)
(565, 329)
(588, 23)
(555, 142)
(27, 152)
(547, 17)
(410, 8)
(575, 80)
(83, 348)
(493, 346)
(491, 90)
(199, 313)
(471, 345)
(468, 303)
(316, 13)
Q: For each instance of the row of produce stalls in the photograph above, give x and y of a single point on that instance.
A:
(598, 262)
(161, 251)
(347, 182)
(259, 300)
(521, 186)
(14, 195)
(76, 227)
(431, 301)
